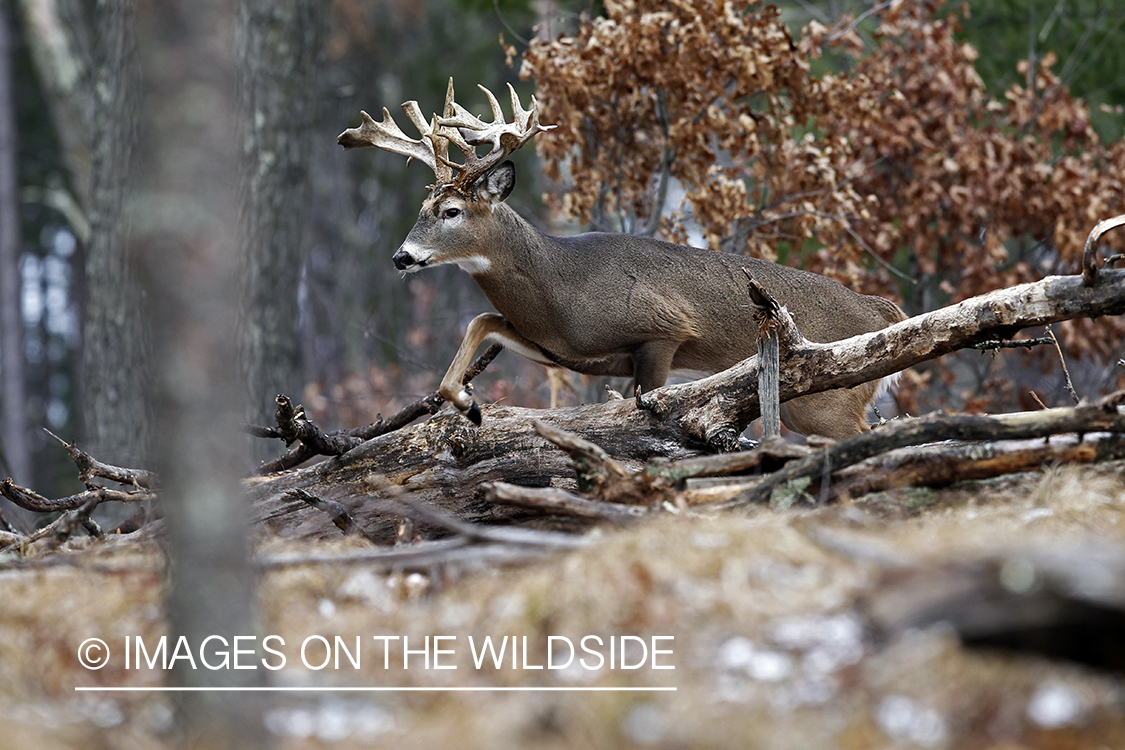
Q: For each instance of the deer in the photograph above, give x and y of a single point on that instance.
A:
(601, 303)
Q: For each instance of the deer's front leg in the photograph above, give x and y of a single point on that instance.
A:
(486, 327)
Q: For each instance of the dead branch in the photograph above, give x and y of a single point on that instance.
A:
(31, 500)
(985, 346)
(557, 501)
(70, 522)
(89, 468)
(294, 426)
(426, 513)
(600, 475)
(945, 464)
(445, 460)
(715, 410)
(767, 312)
(768, 455)
(1090, 252)
(336, 511)
(1101, 416)
(62, 527)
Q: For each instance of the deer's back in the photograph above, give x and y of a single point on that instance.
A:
(657, 288)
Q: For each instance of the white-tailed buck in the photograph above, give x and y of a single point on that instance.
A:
(601, 304)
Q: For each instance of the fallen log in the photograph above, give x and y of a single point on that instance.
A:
(445, 460)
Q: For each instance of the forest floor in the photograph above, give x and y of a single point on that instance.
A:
(770, 615)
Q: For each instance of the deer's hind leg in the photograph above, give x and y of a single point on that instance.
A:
(652, 362)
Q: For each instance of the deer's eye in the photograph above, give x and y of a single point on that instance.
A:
(451, 213)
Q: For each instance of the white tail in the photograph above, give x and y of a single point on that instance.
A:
(602, 304)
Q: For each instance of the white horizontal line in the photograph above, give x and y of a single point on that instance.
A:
(284, 689)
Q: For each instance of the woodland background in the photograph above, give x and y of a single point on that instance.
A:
(923, 152)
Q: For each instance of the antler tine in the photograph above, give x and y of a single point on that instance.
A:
(505, 137)
(497, 113)
(457, 126)
(524, 116)
(430, 149)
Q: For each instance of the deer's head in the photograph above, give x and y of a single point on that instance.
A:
(457, 217)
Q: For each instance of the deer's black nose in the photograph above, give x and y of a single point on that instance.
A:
(403, 260)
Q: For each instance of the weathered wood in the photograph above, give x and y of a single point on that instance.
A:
(945, 464)
(1087, 418)
(767, 313)
(555, 500)
(777, 449)
(1090, 252)
(716, 409)
(445, 460)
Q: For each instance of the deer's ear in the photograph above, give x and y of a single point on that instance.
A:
(497, 185)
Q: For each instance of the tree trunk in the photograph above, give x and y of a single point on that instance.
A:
(116, 346)
(58, 34)
(188, 249)
(279, 50)
(14, 449)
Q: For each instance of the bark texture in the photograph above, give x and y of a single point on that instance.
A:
(116, 350)
(279, 48)
(189, 246)
(15, 454)
(446, 460)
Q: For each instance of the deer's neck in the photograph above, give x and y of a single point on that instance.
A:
(520, 263)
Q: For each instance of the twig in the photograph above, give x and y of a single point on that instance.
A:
(1013, 343)
(1066, 372)
(335, 510)
(839, 33)
(89, 467)
(294, 426)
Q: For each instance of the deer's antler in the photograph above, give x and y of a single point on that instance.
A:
(467, 131)
(431, 149)
(456, 126)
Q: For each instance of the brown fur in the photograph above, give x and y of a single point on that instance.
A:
(612, 304)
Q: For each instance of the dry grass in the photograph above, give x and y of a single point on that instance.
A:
(769, 651)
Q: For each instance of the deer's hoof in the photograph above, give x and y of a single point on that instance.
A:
(473, 414)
